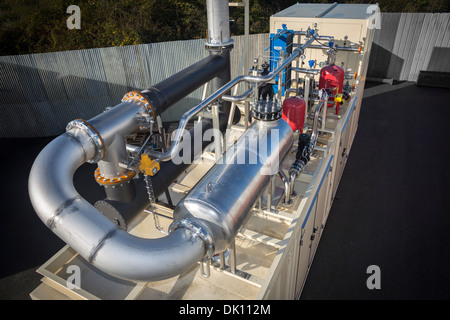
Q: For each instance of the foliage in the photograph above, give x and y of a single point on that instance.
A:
(31, 26)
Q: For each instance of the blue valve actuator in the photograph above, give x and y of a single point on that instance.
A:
(331, 44)
(311, 63)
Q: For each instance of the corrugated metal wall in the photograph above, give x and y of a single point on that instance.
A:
(408, 43)
(41, 93)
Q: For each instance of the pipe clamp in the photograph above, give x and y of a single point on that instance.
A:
(198, 231)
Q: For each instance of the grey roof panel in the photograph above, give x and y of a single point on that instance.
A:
(339, 11)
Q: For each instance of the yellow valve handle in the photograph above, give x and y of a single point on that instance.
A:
(338, 98)
(148, 166)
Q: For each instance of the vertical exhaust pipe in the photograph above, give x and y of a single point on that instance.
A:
(219, 42)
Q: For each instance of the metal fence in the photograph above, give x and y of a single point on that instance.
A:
(41, 93)
(408, 43)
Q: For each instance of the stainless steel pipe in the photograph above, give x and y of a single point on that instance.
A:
(218, 24)
(318, 37)
(315, 127)
(287, 187)
(86, 229)
(119, 120)
(90, 233)
(305, 70)
(222, 199)
(338, 48)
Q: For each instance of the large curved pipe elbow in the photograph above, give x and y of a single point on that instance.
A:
(89, 232)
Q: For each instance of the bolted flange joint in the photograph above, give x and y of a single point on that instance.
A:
(94, 137)
(198, 231)
(142, 100)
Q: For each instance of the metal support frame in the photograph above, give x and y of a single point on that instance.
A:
(269, 194)
(338, 48)
(217, 132)
(306, 96)
(233, 257)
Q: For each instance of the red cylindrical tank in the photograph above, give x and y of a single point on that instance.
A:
(294, 109)
(332, 76)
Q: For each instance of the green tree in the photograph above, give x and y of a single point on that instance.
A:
(30, 26)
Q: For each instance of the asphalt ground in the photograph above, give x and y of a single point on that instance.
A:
(28, 243)
(392, 206)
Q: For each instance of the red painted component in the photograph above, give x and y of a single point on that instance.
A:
(294, 109)
(331, 77)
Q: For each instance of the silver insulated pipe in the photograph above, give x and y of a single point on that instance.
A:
(206, 221)
(87, 230)
(218, 24)
(222, 199)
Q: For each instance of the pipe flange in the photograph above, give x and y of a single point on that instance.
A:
(198, 231)
(266, 116)
(113, 181)
(219, 47)
(93, 134)
(267, 110)
(142, 100)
